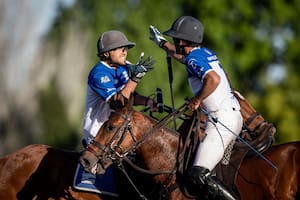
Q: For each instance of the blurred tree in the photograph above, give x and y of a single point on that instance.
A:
(249, 37)
(57, 130)
(256, 41)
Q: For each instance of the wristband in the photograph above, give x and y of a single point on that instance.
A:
(162, 43)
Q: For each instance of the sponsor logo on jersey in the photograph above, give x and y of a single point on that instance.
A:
(105, 79)
(193, 64)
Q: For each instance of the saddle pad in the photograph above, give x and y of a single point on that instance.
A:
(103, 184)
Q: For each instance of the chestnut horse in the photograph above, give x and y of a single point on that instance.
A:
(41, 172)
(128, 130)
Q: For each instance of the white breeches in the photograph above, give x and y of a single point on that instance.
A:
(218, 136)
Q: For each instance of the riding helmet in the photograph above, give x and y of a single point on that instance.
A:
(186, 28)
(111, 40)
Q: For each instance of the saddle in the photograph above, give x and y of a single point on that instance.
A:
(256, 131)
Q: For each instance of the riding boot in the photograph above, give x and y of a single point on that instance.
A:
(220, 189)
(211, 186)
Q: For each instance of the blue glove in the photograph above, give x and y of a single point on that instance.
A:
(137, 71)
(156, 36)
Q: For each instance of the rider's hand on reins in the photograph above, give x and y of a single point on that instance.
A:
(194, 104)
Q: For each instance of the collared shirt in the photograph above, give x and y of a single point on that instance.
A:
(198, 63)
(103, 82)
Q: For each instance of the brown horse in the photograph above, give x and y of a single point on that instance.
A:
(41, 172)
(128, 130)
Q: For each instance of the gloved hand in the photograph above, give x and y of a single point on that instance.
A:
(156, 36)
(137, 71)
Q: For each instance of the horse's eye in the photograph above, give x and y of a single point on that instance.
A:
(110, 127)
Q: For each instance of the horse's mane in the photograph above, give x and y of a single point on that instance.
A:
(162, 143)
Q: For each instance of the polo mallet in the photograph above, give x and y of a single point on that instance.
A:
(169, 62)
(159, 100)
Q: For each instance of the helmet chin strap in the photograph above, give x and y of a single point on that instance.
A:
(180, 49)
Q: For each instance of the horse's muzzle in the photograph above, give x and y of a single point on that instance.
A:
(88, 161)
(91, 163)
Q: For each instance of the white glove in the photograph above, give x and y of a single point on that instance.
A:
(156, 36)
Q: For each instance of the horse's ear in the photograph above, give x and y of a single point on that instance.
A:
(128, 105)
(119, 102)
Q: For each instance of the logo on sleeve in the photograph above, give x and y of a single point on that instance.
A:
(105, 79)
(193, 63)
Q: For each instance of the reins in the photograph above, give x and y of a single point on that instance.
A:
(121, 158)
(175, 114)
(146, 171)
(127, 128)
(110, 151)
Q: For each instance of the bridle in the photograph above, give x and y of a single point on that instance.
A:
(113, 148)
(114, 152)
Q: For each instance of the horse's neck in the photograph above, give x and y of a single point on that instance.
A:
(159, 148)
(159, 151)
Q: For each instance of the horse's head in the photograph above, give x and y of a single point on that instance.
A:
(115, 139)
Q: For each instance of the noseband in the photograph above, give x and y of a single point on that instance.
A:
(113, 150)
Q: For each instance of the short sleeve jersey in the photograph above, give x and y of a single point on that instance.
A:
(103, 82)
(198, 63)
